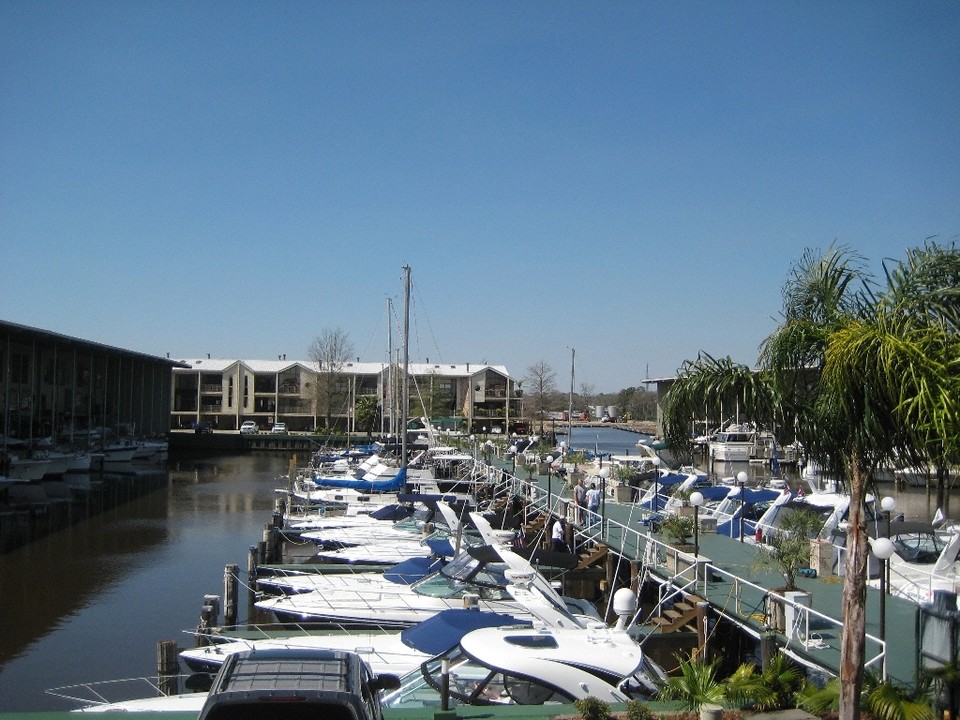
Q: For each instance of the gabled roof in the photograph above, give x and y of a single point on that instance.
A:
(455, 370)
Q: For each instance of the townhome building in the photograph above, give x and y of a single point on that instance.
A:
(224, 393)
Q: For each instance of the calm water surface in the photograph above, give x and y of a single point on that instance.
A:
(92, 602)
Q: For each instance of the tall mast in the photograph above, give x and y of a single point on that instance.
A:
(388, 395)
(573, 365)
(404, 404)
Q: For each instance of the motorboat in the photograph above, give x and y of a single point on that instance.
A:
(478, 575)
(509, 665)
(832, 507)
(746, 442)
(738, 513)
(662, 489)
(27, 468)
(121, 451)
(926, 559)
(151, 450)
(383, 651)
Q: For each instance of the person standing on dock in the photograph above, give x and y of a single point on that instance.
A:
(580, 498)
(593, 502)
(558, 535)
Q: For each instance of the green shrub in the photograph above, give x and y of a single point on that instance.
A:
(592, 708)
(637, 710)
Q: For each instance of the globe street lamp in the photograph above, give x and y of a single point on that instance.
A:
(656, 483)
(513, 456)
(742, 478)
(549, 478)
(604, 473)
(696, 499)
(887, 504)
(883, 549)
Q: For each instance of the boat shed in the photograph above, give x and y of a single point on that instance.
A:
(68, 389)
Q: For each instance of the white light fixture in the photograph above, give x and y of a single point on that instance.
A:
(696, 499)
(883, 548)
(888, 503)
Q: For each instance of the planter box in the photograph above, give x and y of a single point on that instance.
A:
(821, 557)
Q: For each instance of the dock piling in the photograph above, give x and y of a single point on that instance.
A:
(230, 599)
(168, 667)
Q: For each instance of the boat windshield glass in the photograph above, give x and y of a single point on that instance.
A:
(920, 548)
(474, 684)
(466, 574)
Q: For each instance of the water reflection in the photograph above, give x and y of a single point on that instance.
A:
(92, 601)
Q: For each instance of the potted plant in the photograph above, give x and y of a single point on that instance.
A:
(679, 529)
(787, 551)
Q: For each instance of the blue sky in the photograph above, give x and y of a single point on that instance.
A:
(629, 179)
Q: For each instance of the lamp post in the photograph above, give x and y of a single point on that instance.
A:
(655, 506)
(887, 504)
(604, 473)
(742, 478)
(488, 449)
(883, 549)
(696, 499)
(513, 456)
(549, 479)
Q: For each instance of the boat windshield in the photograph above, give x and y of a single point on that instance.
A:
(919, 548)
(466, 574)
(471, 683)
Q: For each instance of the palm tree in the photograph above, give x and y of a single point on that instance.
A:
(697, 685)
(863, 377)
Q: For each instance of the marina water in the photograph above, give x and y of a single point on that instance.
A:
(91, 602)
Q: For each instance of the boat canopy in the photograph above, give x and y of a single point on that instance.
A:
(444, 630)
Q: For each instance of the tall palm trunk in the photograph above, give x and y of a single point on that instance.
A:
(853, 641)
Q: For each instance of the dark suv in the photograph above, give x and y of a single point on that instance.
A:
(296, 684)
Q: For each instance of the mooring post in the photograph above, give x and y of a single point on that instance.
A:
(252, 561)
(230, 600)
(768, 648)
(168, 667)
(703, 610)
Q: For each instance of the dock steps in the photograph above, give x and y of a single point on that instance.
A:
(681, 615)
(592, 556)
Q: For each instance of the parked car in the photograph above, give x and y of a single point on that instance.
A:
(202, 428)
(296, 684)
(249, 427)
(279, 429)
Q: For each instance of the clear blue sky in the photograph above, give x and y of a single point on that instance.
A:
(630, 179)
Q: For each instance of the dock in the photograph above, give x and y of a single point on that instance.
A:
(727, 583)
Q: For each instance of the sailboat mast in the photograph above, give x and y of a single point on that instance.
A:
(388, 395)
(573, 366)
(405, 402)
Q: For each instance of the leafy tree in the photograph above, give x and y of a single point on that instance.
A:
(365, 413)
